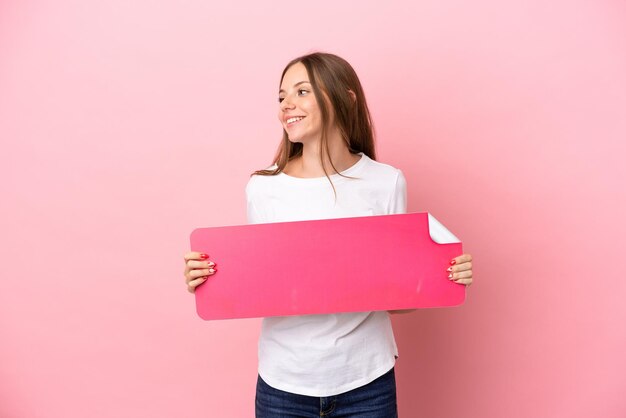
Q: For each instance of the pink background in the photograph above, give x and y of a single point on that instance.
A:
(124, 125)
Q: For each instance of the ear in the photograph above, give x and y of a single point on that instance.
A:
(353, 95)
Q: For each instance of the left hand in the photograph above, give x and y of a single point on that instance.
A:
(461, 270)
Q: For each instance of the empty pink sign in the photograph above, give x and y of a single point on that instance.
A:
(358, 264)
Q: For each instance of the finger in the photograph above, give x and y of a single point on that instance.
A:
(466, 282)
(461, 259)
(197, 282)
(460, 267)
(193, 264)
(191, 286)
(461, 275)
(194, 274)
(194, 255)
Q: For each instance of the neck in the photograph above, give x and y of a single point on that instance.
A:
(310, 164)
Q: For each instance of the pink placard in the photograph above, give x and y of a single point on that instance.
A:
(358, 264)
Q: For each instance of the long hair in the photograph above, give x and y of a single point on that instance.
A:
(333, 76)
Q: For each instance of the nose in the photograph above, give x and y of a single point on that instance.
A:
(286, 104)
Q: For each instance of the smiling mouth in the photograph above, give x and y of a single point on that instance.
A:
(293, 120)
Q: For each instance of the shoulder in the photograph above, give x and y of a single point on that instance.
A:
(383, 172)
(382, 167)
(392, 184)
(257, 182)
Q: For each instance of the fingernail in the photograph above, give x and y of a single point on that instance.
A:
(203, 256)
(211, 270)
(453, 262)
(211, 264)
(450, 276)
(449, 269)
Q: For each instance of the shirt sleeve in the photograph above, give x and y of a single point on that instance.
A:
(398, 197)
(252, 212)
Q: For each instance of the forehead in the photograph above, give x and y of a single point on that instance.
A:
(294, 74)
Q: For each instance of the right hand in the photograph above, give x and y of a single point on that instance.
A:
(198, 268)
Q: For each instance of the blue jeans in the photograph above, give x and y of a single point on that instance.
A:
(374, 400)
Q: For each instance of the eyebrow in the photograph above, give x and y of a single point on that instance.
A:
(295, 85)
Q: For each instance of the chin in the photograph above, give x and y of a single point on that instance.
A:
(295, 140)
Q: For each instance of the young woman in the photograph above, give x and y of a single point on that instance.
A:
(337, 365)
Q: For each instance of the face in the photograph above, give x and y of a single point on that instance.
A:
(298, 111)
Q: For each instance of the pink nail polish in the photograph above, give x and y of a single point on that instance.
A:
(203, 256)
(453, 262)
(449, 269)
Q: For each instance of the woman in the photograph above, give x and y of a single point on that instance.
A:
(337, 365)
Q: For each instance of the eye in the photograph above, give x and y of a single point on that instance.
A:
(299, 90)
(280, 99)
